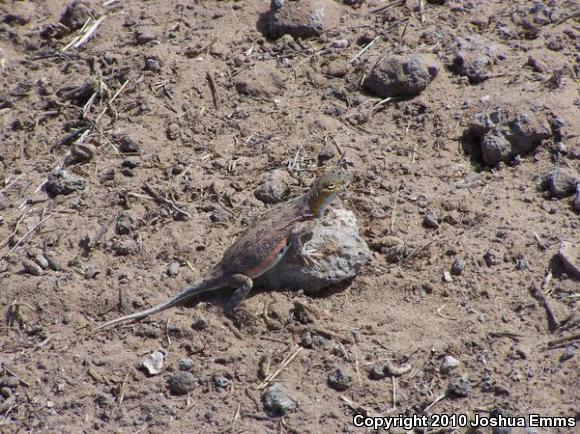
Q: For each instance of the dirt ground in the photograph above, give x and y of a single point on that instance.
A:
(133, 104)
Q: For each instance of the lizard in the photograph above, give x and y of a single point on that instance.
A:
(260, 247)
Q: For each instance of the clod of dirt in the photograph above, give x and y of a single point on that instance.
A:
(569, 254)
(342, 253)
(63, 182)
(472, 57)
(503, 134)
(277, 401)
(491, 257)
(448, 364)
(401, 75)
(458, 266)
(75, 15)
(339, 380)
(152, 363)
(80, 153)
(302, 19)
(31, 267)
(561, 183)
(273, 188)
(336, 68)
(459, 388)
(125, 246)
(495, 148)
(181, 383)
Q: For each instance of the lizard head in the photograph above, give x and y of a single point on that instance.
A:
(327, 186)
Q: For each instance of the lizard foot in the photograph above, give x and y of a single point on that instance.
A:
(310, 257)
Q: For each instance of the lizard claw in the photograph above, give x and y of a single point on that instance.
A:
(310, 256)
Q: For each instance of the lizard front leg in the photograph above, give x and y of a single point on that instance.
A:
(244, 285)
(301, 234)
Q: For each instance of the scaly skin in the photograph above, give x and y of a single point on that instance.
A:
(259, 248)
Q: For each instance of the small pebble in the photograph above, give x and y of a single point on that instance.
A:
(128, 146)
(340, 43)
(185, 364)
(459, 388)
(144, 37)
(41, 260)
(153, 363)
(5, 392)
(125, 247)
(458, 266)
(182, 383)
(276, 400)
(173, 269)
(448, 364)
(491, 257)
(131, 162)
(221, 382)
(377, 372)
(430, 220)
(339, 380)
(567, 354)
(32, 267)
(447, 277)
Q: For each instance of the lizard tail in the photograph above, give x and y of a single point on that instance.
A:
(197, 288)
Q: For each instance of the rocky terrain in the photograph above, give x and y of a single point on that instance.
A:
(138, 138)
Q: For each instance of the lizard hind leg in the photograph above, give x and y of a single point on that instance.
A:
(244, 285)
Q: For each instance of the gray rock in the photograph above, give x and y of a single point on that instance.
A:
(302, 19)
(472, 57)
(495, 148)
(448, 364)
(458, 266)
(75, 15)
(345, 252)
(577, 198)
(182, 383)
(491, 257)
(339, 380)
(273, 188)
(561, 183)
(276, 400)
(63, 182)
(401, 75)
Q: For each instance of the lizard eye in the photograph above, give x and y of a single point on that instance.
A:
(331, 186)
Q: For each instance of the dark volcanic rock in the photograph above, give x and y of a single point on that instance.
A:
(472, 57)
(301, 19)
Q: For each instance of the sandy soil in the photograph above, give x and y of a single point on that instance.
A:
(137, 96)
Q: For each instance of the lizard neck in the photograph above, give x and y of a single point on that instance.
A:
(317, 202)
